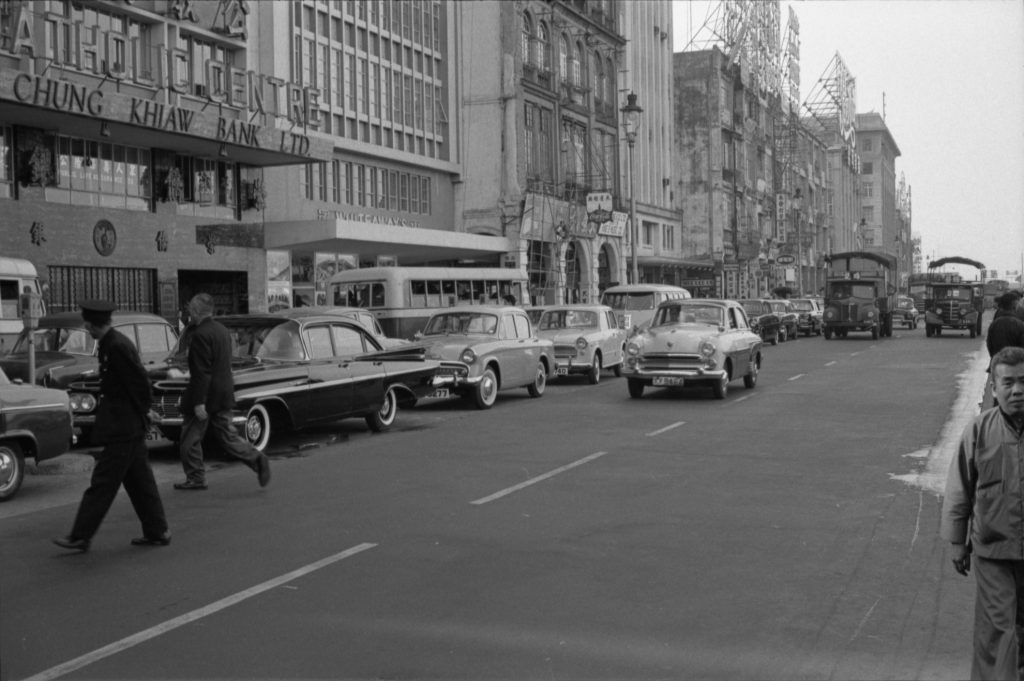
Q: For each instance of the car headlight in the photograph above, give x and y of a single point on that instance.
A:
(829, 314)
(633, 349)
(467, 356)
(706, 349)
(82, 402)
(871, 314)
(581, 343)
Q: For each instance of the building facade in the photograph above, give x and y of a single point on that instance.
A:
(134, 137)
(539, 83)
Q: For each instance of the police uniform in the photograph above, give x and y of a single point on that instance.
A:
(121, 423)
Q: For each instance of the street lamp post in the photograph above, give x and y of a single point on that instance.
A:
(630, 124)
(799, 244)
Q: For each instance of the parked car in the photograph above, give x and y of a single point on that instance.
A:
(906, 312)
(499, 345)
(34, 422)
(789, 320)
(66, 355)
(293, 370)
(361, 315)
(809, 312)
(696, 341)
(763, 320)
(587, 339)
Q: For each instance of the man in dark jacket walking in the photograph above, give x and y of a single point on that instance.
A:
(209, 398)
(122, 416)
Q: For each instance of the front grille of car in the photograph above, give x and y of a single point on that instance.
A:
(664, 361)
(166, 404)
(453, 369)
(565, 351)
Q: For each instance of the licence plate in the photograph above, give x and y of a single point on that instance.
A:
(440, 392)
(562, 371)
(153, 433)
(669, 380)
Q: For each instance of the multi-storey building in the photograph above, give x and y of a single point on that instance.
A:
(539, 84)
(133, 138)
(663, 255)
(724, 154)
(878, 151)
(407, 126)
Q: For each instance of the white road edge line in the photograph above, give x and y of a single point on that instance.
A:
(666, 428)
(539, 478)
(199, 613)
(793, 378)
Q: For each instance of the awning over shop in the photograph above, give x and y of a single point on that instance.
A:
(410, 245)
(675, 262)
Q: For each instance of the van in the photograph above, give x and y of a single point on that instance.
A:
(635, 303)
(15, 275)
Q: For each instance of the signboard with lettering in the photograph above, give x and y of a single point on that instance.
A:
(785, 259)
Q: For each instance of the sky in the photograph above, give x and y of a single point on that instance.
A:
(952, 74)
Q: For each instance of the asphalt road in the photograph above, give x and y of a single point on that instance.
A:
(787, 532)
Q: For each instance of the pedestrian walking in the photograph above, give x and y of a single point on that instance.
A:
(122, 417)
(1006, 328)
(981, 516)
(209, 398)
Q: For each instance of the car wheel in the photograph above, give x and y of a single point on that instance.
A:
(636, 388)
(381, 420)
(618, 370)
(594, 375)
(974, 332)
(750, 380)
(486, 390)
(874, 332)
(721, 386)
(12, 469)
(828, 333)
(783, 335)
(540, 381)
(775, 338)
(257, 426)
(794, 334)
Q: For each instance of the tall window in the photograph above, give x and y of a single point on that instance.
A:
(577, 67)
(543, 58)
(597, 77)
(564, 59)
(527, 38)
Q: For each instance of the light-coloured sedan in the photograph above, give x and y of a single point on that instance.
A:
(694, 341)
(499, 345)
(587, 339)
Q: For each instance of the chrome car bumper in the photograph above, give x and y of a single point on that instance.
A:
(690, 374)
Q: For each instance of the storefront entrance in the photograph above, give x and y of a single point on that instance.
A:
(230, 290)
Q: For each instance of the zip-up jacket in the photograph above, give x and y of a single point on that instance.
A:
(985, 490)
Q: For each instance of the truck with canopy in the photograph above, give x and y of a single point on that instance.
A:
(860, 293)
(950, 301)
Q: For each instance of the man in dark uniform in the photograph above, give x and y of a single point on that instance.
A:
(122, 416)
(210, 397)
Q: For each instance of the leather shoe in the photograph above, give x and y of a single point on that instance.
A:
(263, 470)
(163, 540)
(190, 484)
(72, 544)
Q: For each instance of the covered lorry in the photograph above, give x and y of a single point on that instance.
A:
(860, 293)
(950, 301)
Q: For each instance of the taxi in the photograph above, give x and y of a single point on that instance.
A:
(587, 339)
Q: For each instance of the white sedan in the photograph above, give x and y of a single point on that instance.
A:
(694, 341)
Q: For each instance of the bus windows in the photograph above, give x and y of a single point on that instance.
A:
(434, 294)
(419, 293)
(376, 295)
(464, 291)
(447, 293)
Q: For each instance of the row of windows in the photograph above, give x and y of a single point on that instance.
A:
(572, 58)
(357, 184)
(415, 20)
(585, 159)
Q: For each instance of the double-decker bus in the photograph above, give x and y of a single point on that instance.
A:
(403, 298)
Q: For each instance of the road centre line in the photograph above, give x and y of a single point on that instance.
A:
(539, 478)
(740, 399)
(793, 378)
(828, 364)
(666, 428)
(854, 354)
(199, 613)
